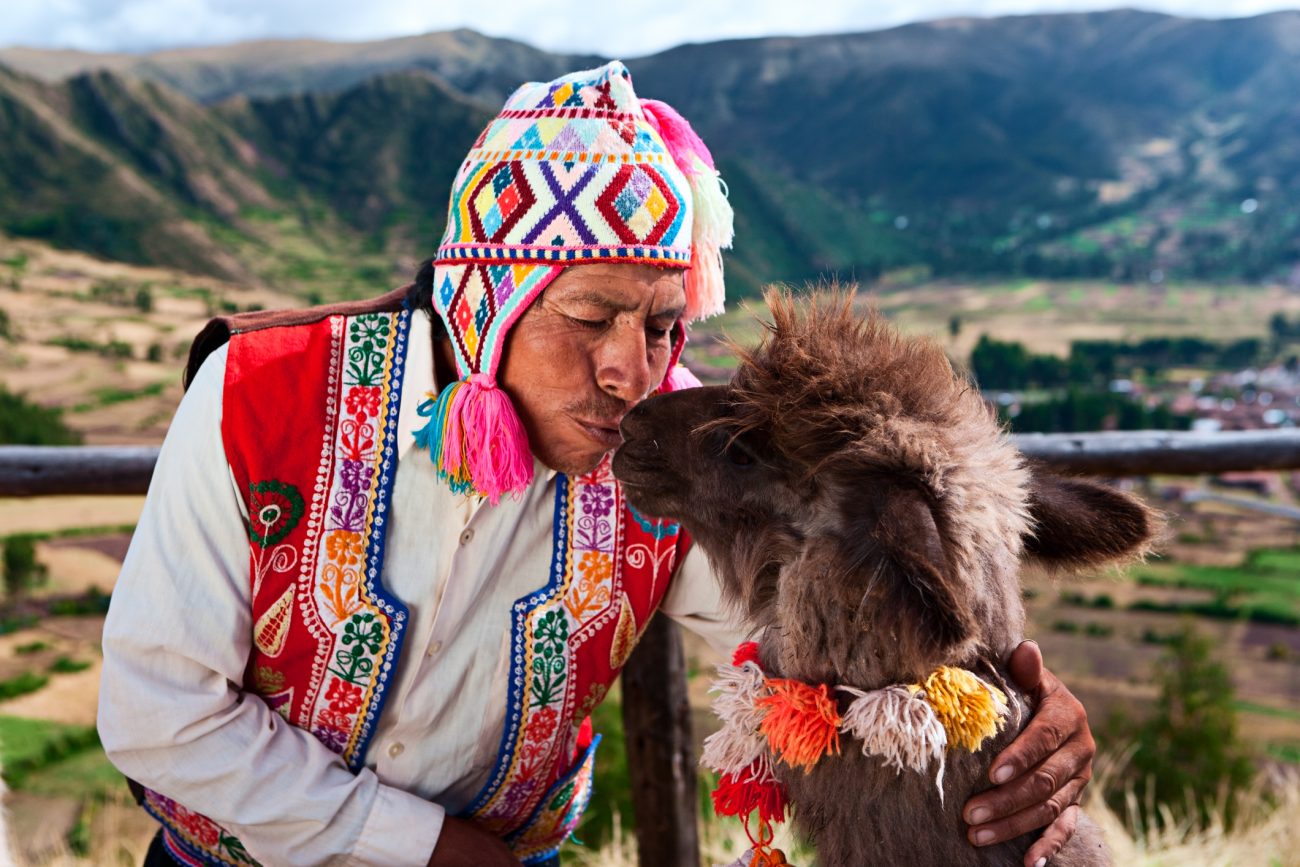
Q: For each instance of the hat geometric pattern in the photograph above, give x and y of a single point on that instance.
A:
(570, 172)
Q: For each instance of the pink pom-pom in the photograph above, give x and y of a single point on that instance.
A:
(493, 443)
(681, 140)
(678, 378)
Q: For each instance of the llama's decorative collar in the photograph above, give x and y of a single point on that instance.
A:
(766, 719)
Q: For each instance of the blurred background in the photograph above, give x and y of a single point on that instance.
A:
(1095, 210)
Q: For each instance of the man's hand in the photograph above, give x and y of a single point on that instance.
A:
(1041, 774)
(464, 844)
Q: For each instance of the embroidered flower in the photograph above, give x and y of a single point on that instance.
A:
(597, 500)
(354, 476)
(344, 697)
(542, 725)
(362, 401)
(332, 736)
(274, 508)
(596, 566)
(198, 827)
(344, 547)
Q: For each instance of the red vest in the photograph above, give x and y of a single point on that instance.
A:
(310, 428)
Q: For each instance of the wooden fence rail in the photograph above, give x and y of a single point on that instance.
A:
(28, 471)
(656, 711)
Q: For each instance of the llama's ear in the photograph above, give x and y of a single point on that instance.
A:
(1078, 522)
(921, 586)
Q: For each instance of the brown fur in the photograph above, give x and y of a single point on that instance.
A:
(861, 505)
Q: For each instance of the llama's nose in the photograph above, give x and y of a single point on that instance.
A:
(636, 424)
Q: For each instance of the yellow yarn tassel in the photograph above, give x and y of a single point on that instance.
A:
(969, 709)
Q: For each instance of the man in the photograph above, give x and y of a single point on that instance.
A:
(383, 574)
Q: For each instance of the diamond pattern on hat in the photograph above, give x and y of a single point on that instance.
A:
(500, 201)
(639, 205)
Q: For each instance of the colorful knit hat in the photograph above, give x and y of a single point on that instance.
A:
(571, 172)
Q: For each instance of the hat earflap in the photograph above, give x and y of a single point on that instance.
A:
(476, 440)
(713, 228)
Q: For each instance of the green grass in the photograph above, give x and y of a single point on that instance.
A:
(54, 759)
(22, 684)
(32, 647)
(1266, 584)
(1266, 710)
(1285, 752)
(66, 665)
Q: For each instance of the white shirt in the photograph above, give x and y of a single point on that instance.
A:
(172, 711)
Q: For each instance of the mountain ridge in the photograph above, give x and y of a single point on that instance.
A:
(1116, 144)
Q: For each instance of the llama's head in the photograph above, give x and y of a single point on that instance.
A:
(859, 500)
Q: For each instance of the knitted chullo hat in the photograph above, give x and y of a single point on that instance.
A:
(571, 172)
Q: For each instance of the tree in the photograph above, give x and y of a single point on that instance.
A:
(22, 570)
(1188, 757)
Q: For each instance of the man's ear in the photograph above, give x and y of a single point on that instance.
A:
(1078, 522)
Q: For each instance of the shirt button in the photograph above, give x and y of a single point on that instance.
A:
(435, 647)
(466, 537)
(395, 750)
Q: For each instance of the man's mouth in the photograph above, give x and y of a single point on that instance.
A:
(605, 432)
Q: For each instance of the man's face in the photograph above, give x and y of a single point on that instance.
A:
(594, 343)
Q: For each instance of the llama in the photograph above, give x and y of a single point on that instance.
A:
(866, 514)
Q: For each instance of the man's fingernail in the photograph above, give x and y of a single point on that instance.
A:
(1004, 773)
(1041, 862)
(983, 838)
(979, 815)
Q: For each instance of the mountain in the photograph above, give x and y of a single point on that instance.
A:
(481, 66)
(1112, 144)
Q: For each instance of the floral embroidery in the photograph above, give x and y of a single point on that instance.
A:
(356, 663)
(595, 695)
(363, 401)
(345, 697)
(542, 726)
(368, 336)
(345, 547)
(549, 666)
(590, 593)
(274, 509)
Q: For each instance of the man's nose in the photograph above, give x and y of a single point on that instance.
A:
(623, 368)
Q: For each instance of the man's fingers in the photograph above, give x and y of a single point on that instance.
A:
(1060, 719)
(1025, 665)
(1055, 837)
(1073, 762)
(1031, 818)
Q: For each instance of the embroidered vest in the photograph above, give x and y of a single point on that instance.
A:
(309, 422)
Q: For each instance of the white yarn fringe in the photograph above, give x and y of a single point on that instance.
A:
(899, 727)
(738, 744)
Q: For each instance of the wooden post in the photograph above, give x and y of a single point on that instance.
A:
(660, 750)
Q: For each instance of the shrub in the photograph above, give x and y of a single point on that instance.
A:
(22, 570)
(26, 423)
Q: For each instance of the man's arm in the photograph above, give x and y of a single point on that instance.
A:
(172, 711)
(1042, 772)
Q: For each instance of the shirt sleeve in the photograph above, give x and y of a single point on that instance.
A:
(694, 600)
(172, 712)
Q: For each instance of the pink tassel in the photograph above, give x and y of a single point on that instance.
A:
(678, 378)
(680, 139)
(712, 229)
(705, 289)
(493, 445)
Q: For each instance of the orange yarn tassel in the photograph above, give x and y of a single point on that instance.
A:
(802, 722)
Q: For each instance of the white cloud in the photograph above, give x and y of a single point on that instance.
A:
(626, 28)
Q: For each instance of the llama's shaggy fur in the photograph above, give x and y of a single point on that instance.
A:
(863, 508)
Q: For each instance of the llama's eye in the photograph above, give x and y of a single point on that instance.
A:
(739, 455)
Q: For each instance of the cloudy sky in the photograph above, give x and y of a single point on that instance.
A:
(614, 27)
